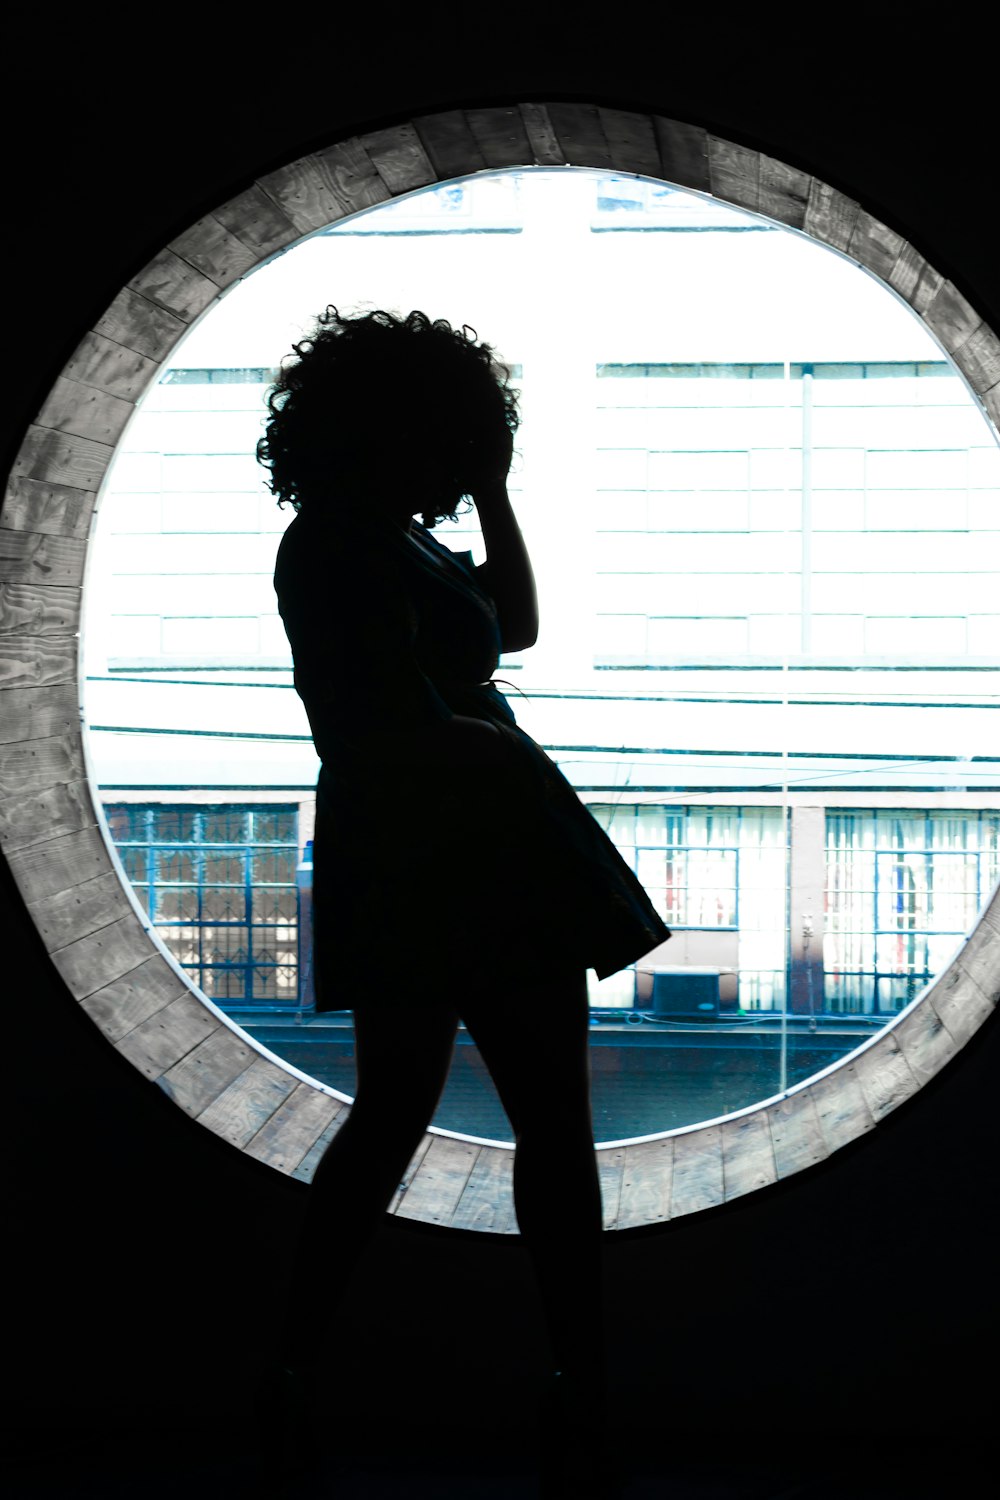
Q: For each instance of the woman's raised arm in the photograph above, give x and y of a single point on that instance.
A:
(507, 574)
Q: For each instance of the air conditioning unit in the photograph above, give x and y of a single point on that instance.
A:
(688, 994)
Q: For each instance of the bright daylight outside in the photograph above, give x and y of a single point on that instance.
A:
(763, 511)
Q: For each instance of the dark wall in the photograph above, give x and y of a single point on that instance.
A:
(856, 1295)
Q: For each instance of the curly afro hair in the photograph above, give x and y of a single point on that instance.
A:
(375, 406)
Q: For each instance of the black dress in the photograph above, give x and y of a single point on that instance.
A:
(426, 885)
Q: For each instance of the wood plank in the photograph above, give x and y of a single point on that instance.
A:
(747, 1155)
(874, 244)
(611, 1171)
(980, 957)
(175, 285)
(283, 1140)
(120, 1007)
(830, 216)
(925, 1041)
(796, 1136)
(38, 610)
(439, 1182)
(500, 136)
(580, 135)
(631, 141)
(784, 191)
(884, 1076)
(214, 251)
(411, 1171)
(239, 1111)
(487, 1200)
(306, 1169)
(399, 158)
(950, 316)
(38, 765)
(979, 358)
(139, 324)
(41, 558)
(914, 278)
(32, 817)
(198, 1079)
(960, 1002)
(168, 1035)
(991, 400)
(450, 145)
(646, 1183)
(734, 173)
(84, 411)
(545, 148)
(841, 1107)
(304, 192)
(99, 362)
(27, 660)
(89, 963)
(353, 176)
(39, 713)
(49, 455)
(52, 509)
(697, 1180)
(73, 913)
(59, 863)
(257, 220)
(683, 152)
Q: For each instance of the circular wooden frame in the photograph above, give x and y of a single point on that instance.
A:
(54, 834)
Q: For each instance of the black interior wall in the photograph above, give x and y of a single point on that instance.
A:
(855, 1299)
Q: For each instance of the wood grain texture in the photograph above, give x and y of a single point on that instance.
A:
(991, 400)
(830, 216)
(698, 1177)
(796, 1136)
(100, 363)
(980, 957)
(213, 250)
(168, 1035)
(500, 136)
(125, 1004)
(545, 148)
(207, 1070)
(305, 193)
(747, 1155)
(487, 1200)
(27, 660)
(580, 135)
(961, 1004)
(91, 962)
(611, 1172)
(38, 714)
(296, 1124)
(683, 152)
(449, 143)
(32, 817)
(874, 244)
(241, 1108)
(646, 1183)
(85, 411)
(399, 158)
(59, 864)
(50, 509)
(175, 285)
(49, 455)
(354, 176)
(139, 324)
(884, 1076)
(83, 909)
(783, 191)
(734, 173)
(950, 316)
(39, 765)
(40, 558)
(306, 1169)
(979, 358)
(411, 1171)
(36, 610)
(913, 278)
(925, 1042)
(439, 1182)
(258, 222)
(841, 1107)
(631, 141)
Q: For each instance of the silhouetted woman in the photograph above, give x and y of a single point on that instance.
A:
(457, 876)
